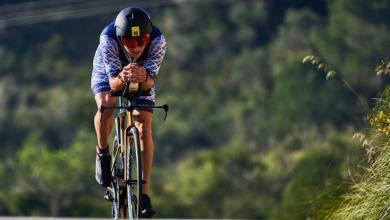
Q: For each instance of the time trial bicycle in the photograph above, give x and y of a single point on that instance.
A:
(125, 192)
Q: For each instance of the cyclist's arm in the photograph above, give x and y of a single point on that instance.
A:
(152, 63)
(156, 55)
(148, 84)
(117, 84)
(112, 64)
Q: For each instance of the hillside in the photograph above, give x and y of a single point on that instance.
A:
(252, 131)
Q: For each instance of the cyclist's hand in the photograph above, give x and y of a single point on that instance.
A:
(134, 73)
(125, 75)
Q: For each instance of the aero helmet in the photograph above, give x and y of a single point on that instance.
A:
(132, 22)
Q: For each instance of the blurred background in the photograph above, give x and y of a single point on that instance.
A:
(252, 132)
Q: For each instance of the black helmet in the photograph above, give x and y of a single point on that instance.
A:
(132, 22)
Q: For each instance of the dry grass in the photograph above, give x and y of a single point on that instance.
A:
(370, 197)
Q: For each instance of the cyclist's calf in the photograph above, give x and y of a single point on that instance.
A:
(104, 117)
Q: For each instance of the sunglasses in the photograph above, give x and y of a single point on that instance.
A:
(135, 41)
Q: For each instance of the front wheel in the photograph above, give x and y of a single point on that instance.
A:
(134, 174)
(119, 208)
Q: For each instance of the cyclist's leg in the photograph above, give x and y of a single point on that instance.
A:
(103, 125)
(143, 121)
(104, 121)
(144, 125)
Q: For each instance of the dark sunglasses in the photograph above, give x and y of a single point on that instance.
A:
(136, 41)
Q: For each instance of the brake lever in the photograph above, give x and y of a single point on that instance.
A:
(166, 108)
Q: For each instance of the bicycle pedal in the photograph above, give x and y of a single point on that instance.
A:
(108, 197)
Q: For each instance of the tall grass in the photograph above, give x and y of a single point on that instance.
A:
(369, 198)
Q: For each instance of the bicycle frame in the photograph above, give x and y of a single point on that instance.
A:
(124, 122)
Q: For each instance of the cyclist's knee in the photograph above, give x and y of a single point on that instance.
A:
(144, 124)
(145, 133)
(104, 99)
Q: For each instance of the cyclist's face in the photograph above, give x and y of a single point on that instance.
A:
(135, 45)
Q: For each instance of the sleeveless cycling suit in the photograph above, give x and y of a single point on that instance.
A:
(110, 59)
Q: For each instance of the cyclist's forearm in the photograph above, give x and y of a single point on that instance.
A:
(116, 84)
(147, 84)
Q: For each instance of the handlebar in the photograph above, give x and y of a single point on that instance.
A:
(137, 107)
(130, 96)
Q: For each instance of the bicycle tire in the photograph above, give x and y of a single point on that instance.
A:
(118, 205)
(134, 173)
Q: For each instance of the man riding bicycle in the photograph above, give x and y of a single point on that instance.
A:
(131, 49)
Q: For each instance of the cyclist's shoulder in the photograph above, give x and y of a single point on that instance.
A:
(108, 39)
(156, 33)
(109, 32)
(157, 38)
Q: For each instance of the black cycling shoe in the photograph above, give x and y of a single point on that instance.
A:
(103, 170)
(146, 207)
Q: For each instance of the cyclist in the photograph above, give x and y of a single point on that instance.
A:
(131, 49)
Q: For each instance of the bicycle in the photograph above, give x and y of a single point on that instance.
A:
(126, 170)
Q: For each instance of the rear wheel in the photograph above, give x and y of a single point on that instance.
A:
(134, 173)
